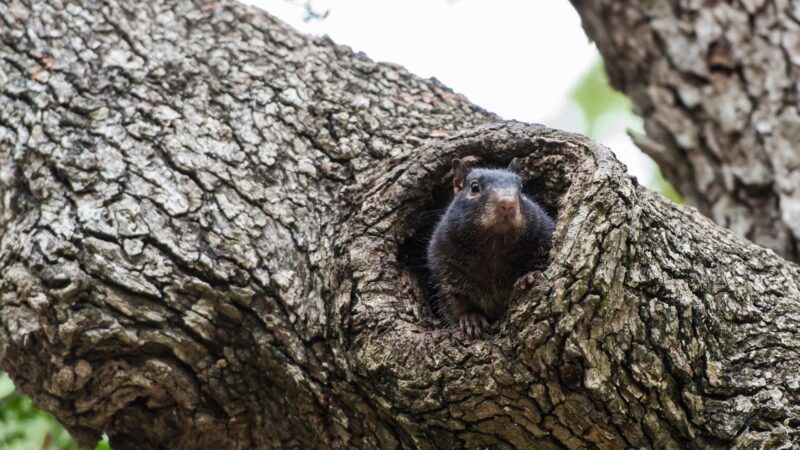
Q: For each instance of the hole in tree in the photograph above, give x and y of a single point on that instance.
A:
(545, 180)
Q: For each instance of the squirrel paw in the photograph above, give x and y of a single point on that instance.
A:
(472, 324)
(526, 281)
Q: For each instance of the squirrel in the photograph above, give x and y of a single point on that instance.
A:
(489, 242)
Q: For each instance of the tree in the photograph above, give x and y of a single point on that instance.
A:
(716, 85)
(211, 238)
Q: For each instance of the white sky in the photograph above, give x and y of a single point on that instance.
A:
(517, 58)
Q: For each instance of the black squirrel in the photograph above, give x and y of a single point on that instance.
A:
(489, 242)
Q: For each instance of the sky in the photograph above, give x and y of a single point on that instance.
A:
(517, 58)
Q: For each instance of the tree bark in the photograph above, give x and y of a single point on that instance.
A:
(212, 232)
(717, 86)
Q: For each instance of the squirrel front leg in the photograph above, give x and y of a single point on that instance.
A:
(524, 282)
(460, 311)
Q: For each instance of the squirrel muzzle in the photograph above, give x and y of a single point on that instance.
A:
(501, 212)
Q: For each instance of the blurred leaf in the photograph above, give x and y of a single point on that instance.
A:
(666, 189)
(103, 445)
(24, 427)
(596, 97)
(600, 103)
(6, 385)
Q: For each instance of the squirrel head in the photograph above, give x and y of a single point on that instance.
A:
(489, 198)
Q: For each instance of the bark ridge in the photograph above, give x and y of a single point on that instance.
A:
(209, 226)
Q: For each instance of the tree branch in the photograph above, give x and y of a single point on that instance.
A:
(716, 85)
(212, 229)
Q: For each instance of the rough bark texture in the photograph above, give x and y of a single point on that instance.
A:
(718, 86)
(212, 229)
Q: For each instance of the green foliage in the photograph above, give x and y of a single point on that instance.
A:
(600, 103)
(24, 427)
(665, 188)
(597, 98)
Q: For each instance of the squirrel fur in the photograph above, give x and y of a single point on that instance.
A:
(491, 234)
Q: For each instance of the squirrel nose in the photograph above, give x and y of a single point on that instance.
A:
(505, 204)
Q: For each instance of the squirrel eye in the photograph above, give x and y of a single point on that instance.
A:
(474, 187)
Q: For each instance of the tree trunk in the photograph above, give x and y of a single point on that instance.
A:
(717, 86)
(212, 238)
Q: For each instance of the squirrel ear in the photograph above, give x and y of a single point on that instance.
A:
(459, 172)
(513, 165)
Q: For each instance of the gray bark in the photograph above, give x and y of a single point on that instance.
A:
(718, 87)
(211, 238)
